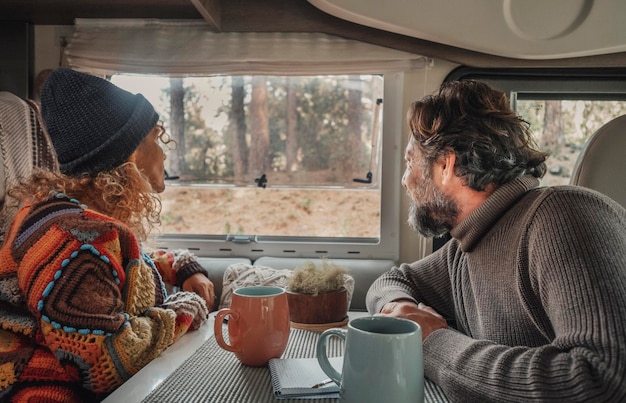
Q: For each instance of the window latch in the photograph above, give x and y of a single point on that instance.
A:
(262, 181)
(167, 177)
(368, 180)
(240, 238)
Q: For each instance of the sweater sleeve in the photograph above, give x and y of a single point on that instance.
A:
(426, 280)
(95, 297)
(576, 254)
(176, 266)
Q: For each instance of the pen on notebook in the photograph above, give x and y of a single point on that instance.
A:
(324, 382)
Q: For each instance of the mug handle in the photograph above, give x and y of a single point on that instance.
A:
(217, 328)
(322, 358)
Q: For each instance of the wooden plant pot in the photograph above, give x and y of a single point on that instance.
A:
(318, 310)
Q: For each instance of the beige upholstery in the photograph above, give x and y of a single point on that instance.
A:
(601, 165)
(363, 271)
(24, 145)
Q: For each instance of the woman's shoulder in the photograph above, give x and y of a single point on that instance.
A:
(71, 217)
(58, 209)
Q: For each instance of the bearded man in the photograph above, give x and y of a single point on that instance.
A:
(527, 301)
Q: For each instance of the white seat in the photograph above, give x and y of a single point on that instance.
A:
(24, 145)
(601, 165)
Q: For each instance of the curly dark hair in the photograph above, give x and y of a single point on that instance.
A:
(491, 142)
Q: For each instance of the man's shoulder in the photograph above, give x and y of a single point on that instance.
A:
(574, 193)
(574, 201)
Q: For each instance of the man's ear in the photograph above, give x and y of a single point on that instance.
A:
(447, 167)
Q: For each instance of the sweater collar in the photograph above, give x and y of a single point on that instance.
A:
(474, 226)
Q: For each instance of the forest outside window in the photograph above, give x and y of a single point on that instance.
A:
(563, 123)
(286, 156)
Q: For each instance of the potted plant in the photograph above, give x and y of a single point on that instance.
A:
(318, 295)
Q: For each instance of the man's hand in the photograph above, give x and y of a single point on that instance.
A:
(425, 316)
(201, 285)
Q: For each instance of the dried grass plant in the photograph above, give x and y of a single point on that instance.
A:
(314, 280)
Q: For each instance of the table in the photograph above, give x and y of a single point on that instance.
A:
(196, 369)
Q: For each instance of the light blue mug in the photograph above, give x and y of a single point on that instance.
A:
(382, 361)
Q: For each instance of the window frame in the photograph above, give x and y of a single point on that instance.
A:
(385, 247)
(599, 83)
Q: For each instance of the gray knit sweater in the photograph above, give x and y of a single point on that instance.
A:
(534, 281)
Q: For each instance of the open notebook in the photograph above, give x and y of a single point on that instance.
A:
(294, 377)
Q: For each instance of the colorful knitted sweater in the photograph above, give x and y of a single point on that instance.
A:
(81, 306)
(535, 282)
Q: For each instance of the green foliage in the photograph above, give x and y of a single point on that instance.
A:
(562, 127)
(580, 119)
(326, 109)
(312, 279)
(204, 157)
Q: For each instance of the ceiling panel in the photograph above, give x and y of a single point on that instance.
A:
(521, 29)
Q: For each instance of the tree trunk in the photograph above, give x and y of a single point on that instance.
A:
(352, 145)
(177, 113)
(552, 126)
(259, 128)
(238, 129)
(291, 146)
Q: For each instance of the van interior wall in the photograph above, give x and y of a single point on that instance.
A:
(48, 40)
(17, 58)
(47, 45)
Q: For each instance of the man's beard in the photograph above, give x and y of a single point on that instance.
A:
(434, 215)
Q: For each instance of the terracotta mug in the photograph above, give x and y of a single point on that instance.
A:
(258, 324)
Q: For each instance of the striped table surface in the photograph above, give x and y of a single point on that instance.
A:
(215, 375)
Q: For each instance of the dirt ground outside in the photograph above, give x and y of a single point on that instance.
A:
(271, 211)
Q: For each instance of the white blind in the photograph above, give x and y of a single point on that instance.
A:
(148, 46)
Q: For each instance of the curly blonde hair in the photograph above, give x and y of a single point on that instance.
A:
(123, 193)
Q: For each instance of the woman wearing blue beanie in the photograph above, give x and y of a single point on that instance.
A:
(82, 306)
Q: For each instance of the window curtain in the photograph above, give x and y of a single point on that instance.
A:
(181, 48)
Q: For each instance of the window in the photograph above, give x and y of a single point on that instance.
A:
(562, 125)
(280, 165)
(236, 172)
(563, 107)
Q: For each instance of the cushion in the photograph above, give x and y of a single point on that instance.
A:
(244, 275)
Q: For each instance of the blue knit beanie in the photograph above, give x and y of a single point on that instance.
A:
(94, 125)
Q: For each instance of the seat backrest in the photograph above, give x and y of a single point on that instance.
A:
(601, 164)
(24, 145)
